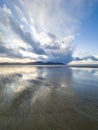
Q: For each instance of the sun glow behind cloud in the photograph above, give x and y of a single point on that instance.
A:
(40, 30)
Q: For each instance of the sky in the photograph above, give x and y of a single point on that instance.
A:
(48, 30)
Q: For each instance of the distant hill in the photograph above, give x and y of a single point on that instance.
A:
(33, 63)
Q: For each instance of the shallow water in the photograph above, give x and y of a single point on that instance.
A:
(48, 98)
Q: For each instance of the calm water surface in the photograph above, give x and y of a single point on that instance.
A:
(48, 98)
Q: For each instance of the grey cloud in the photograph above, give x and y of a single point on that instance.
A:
(52, 36)
(26, 37)
(2, 36)
(53, 46)
(61, 58)
(90, 57)
(9, 52)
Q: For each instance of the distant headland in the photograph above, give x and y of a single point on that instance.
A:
(32, 63)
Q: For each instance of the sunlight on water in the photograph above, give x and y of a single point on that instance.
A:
(47, 98)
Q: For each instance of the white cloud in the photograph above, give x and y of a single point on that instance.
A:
(40, 30)
(66, 42)
(52, 16)
(61, 17)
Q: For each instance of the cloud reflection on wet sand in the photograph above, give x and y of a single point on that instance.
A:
(49, 98)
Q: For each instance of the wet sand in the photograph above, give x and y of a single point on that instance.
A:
(48, 98)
